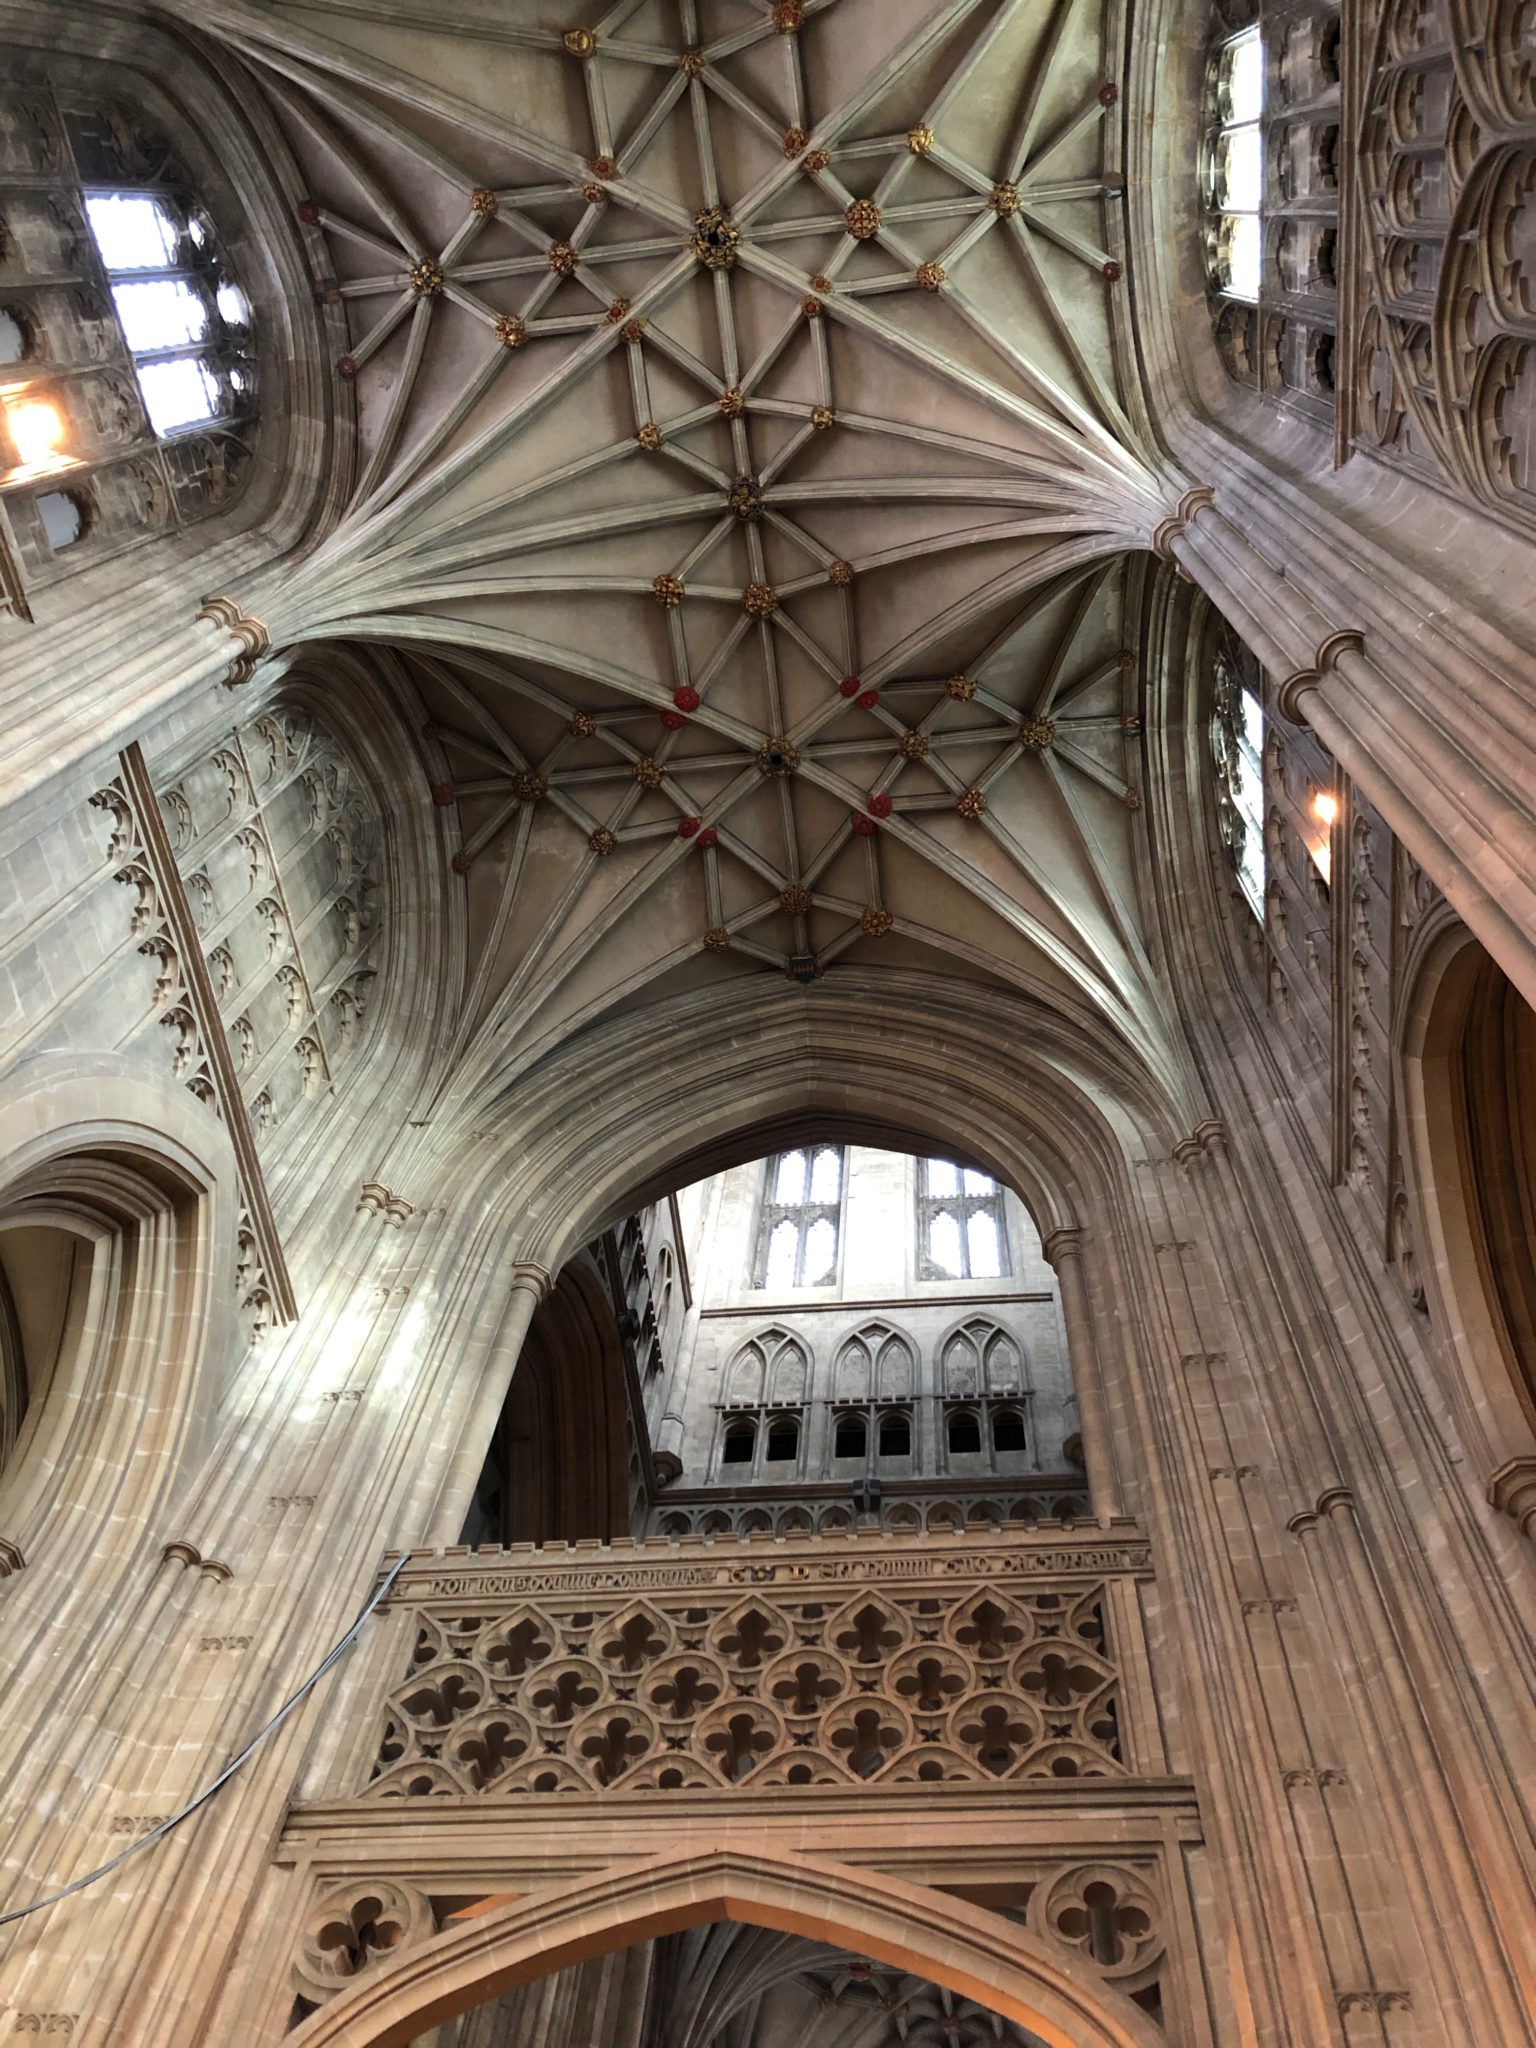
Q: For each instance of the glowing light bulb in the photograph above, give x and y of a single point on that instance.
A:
(1325, 807)
(36, 429)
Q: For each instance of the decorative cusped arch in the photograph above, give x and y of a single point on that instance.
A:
(954, 1943)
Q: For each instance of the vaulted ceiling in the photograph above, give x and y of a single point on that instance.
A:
(751, 491)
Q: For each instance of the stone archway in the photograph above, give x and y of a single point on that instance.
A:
(950, 1941)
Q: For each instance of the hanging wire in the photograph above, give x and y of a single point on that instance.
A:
(229, 1770)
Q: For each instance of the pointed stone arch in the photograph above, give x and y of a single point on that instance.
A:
(953, 1943)
(979, 1357)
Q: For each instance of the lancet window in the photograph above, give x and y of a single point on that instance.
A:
(127, 362)
(801, 1219)
(961, 1229)
(1271, 194)
(1237, 742)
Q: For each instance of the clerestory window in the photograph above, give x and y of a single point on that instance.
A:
(1237, 742)
(187, 325)
(1235, 167)
(802, 1217)
(960, 1223)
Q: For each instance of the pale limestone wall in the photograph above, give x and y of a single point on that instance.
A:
(877, 1286)
(1335, 1611)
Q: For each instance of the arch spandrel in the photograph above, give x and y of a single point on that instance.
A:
(952, 1942)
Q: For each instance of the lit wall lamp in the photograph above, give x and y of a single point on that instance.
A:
(37, 431)
(1325, 809)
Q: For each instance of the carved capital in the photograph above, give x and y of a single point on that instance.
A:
(1512, 1490)
(255, 640)
(374, 1199)
(1290, 694)
(1065, 1243)
(532, 1277)
(1168, 530)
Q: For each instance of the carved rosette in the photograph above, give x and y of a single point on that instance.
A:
(650, 437)
(649, 772)
(759, 600)
(777, 756)
(510, 331)
(863, 220)
(971, 804)
(426, 278)
(961, 688)
(795, 899)
(1036, 734)
(875, 921)
(930, 276)
(668, 591)
(715, 239)
(920, 140)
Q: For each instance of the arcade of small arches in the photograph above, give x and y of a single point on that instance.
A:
(767, 924)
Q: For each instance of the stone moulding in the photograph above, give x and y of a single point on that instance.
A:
(253, 636)
(1302, 681)
(1512, 1490)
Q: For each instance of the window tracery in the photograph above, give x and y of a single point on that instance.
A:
(798, 1239)
(961, 1230)
(1237, 744)
(1270, 188)
(127, 363)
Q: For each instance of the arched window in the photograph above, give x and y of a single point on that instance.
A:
(1008, 1431)
(895, 1437)
(1270, 189)
(128, 345)
(960, 1223)
(850, 1436)
(1235, 166)
(963, 1432)
(1237, 746)
(740, 1442)
(802, 1216)
(783, 1445)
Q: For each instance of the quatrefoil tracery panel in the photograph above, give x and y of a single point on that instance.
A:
(811, 1687)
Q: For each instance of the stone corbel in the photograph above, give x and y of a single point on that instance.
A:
(374, 1199)
(11, 1559)
(1167, 531)
(1512, 1490)
(1208, 1136)
(255, 640)
(183, 1552)
(1289, 694)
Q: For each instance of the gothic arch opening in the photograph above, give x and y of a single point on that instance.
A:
(1045, 1982)
(556, 1470)
(1469, 1069)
